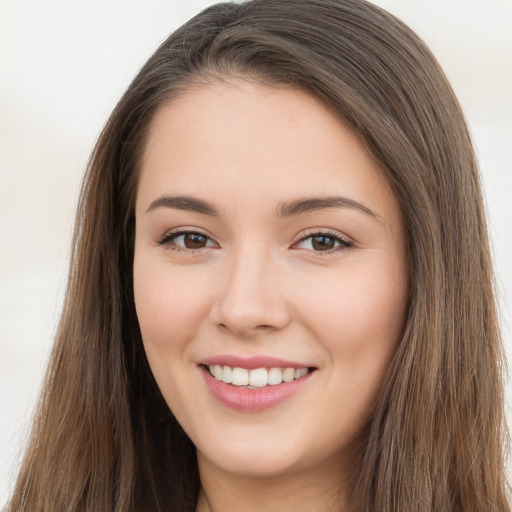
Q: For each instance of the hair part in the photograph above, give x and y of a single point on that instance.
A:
(104, 439)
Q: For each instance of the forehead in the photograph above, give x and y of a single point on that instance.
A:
(242, 142)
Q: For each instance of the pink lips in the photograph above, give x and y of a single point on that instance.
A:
(251, 363)
(252, 400)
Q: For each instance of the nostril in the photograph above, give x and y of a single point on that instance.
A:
(243, 332)
(248, 315)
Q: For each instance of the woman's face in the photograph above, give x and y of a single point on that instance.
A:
(269, 249)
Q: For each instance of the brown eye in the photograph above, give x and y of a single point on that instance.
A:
(187, 240)
(323, 242)
(194, 241)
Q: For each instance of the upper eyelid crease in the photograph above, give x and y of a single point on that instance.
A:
(344, 241)
(321, 231)
(183, 231)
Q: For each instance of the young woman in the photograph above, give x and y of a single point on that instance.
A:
(281, 292)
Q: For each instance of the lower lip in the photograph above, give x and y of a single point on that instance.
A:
(253, 400)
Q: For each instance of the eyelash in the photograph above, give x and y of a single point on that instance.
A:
(327, 233)
(169, 237)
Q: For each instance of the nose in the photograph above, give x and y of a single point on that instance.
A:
(251, 299)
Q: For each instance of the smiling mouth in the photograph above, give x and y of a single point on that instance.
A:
(255, 378)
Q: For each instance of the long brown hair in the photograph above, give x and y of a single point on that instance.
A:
(104, 439)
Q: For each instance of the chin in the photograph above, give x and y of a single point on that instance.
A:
(253, 459)
(259, 465)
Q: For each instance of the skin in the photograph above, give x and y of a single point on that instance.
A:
(258, 285)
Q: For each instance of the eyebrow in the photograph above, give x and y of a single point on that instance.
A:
(287, 209)
(187, 203)
(318, 203)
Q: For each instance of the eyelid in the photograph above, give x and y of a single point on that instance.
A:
(168, 236)
(345, 242)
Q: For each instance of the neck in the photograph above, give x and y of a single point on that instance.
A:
(321, 489)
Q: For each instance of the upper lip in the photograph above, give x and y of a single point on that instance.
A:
(251, 363)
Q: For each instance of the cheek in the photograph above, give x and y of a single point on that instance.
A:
(359, 324)
(168, 304)
(358, 319)
(170, 312)
(356, 307)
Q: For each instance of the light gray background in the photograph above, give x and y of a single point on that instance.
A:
(63, 66)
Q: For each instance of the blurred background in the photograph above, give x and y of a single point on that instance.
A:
(63, 66)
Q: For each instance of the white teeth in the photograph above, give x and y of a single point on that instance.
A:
(288, 374)
(217, 372)
(275, 376)
(227, 374)
(240, 377)
(257, 378)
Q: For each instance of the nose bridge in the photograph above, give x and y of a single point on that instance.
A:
(250, 299)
